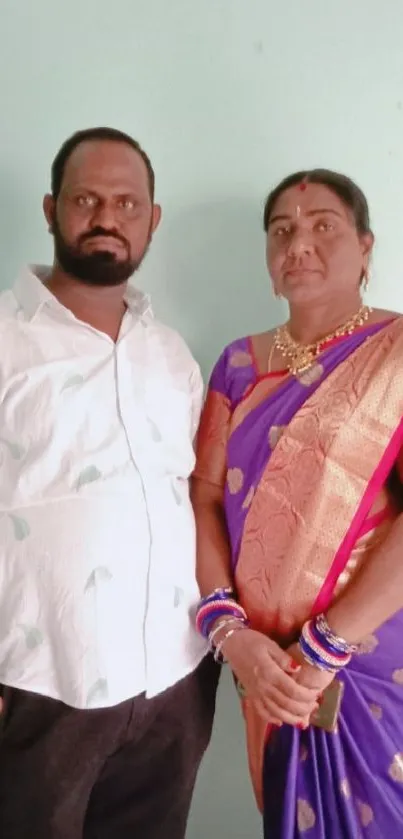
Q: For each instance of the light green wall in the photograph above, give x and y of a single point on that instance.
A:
(227, 96)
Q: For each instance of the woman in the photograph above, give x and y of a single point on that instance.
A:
(296, 494)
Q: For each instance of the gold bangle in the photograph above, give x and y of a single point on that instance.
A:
(229, 634)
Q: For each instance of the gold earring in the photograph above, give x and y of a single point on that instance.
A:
(365, 279)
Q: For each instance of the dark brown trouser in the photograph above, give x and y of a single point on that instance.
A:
(126, 772)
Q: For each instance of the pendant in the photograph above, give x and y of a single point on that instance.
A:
(302, 361)
(311, 375)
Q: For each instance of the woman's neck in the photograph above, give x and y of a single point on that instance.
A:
(307, 325)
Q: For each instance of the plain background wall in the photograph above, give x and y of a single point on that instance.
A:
(227, 96)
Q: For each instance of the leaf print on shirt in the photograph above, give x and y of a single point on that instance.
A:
(73, 381)
(102, 574)
(176, 495)
(16, 451)
(155, 432)
(178, 596)
(21, 527)
(88, 476)
(33, 636)
(98, 691)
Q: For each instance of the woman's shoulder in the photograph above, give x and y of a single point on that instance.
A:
(238, 353)
(234, 369)
(378, 315)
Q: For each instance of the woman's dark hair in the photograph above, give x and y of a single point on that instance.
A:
(348, 192)
(59, 163)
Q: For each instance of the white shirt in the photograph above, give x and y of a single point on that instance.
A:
(97, 535)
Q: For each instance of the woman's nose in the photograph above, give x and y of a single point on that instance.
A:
(301, 244)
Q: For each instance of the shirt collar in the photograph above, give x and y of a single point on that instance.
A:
(32, 294)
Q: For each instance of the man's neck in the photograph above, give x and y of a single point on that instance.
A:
(101, 307)
(310, 324)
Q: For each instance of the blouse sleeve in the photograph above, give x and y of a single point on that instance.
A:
(212, 438)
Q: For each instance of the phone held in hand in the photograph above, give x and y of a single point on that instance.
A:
(326, 715)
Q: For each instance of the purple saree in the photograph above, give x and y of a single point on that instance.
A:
(303, 465)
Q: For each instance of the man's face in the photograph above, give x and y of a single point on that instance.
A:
(103, 219)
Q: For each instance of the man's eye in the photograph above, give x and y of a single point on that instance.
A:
(85, 201)
(127, 204)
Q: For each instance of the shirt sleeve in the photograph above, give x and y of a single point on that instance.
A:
(212, 438)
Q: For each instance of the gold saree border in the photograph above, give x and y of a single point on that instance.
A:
(315, 480)
(309, 494)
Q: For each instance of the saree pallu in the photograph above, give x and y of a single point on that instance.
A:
(303, 465)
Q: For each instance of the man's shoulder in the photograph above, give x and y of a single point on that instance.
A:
(10, 327)
(8, 305)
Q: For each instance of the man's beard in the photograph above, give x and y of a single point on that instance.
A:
(100, 268)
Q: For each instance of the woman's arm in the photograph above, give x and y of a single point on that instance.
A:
(375, 594)
(372, 597)
(213, 552)
(261, 666)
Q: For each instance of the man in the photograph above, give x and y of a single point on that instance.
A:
(108, 696)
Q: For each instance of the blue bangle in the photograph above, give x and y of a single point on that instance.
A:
(217, 594)
(321, 651)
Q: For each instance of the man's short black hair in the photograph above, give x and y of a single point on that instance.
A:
(88, 134)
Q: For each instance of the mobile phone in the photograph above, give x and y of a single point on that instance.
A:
(326, 715)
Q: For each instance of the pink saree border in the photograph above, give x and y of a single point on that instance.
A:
(342, 556)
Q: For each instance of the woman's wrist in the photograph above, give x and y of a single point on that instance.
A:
(219, 616)
(345, 624)
(221, 626)
(228, 641)
(220, 604)
(322, 648)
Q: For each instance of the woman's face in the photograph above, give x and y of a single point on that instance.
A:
(314, 253)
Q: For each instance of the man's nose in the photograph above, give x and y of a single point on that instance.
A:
(105, 216)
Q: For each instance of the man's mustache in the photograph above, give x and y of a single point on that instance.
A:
(99, 231)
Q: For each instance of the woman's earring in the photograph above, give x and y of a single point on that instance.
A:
(365, 279)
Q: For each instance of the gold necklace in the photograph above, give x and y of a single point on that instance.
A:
(300, 357)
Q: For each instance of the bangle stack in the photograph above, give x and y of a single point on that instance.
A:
(219, 614)
(221, 603)
(228, 628)
(322, 648)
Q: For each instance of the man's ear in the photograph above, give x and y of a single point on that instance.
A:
(157, 213)
(49, 209)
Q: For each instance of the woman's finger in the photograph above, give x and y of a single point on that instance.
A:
(284, 661)
(289, 687)
(273, 709)
(274, 715)
(298, 709)
(286, 717)
(266, 677)
(265, 710)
